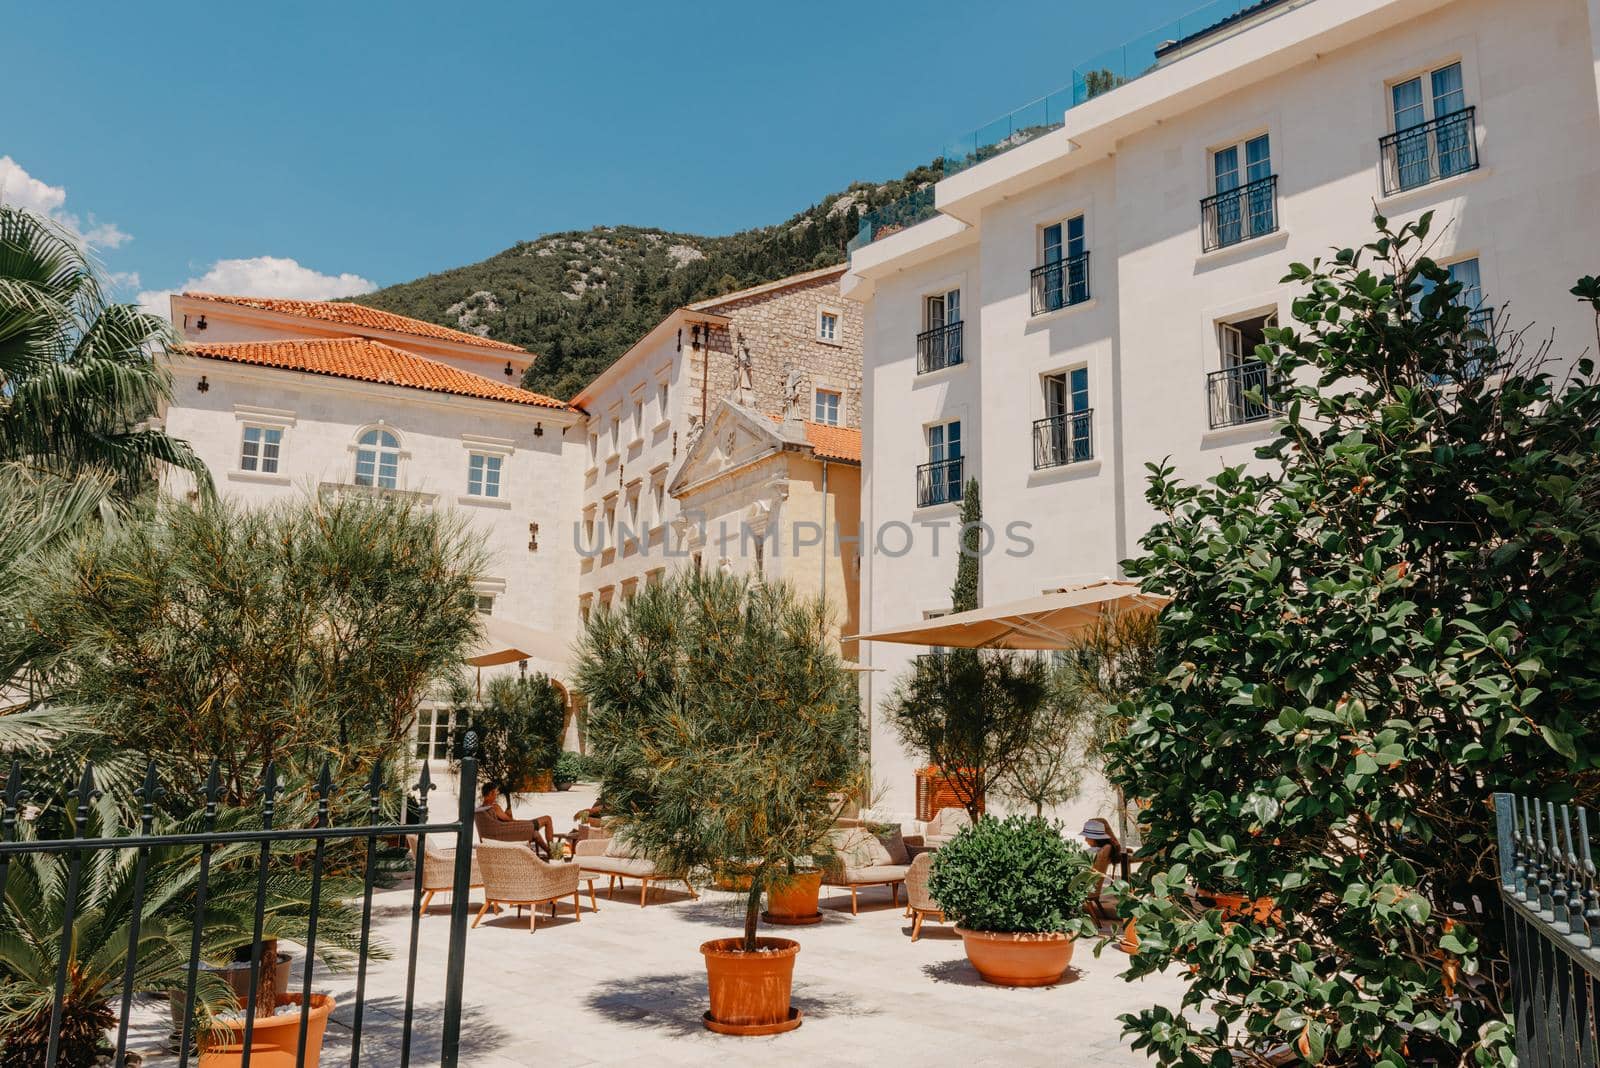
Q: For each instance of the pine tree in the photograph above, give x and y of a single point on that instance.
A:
(964, 594)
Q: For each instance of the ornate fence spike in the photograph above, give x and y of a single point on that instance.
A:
(424, 784)
(1574, 913)
(213, 789)
(270, 785)
(1558, 872)
(324, 787)
(1543, 902)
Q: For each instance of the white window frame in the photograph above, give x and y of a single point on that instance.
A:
(401, 455)
(259, 460)
(838, 407)
(498, 461)
(824, 312)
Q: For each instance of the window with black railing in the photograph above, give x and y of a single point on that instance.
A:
(1067, 438)
(1238, 395)
(1238, 214)
(939, 347)
(939, 482)
(1430, 151)
(1060, 284)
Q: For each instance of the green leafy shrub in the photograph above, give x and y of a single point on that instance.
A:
(1392, 619)
(1016, 874)
(568, 769)
(725, 723)
(518, 724)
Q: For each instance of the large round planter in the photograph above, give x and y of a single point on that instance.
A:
(274, 1040)
(793, 901)
(750, 991)
(237, 976)
(1018, 959)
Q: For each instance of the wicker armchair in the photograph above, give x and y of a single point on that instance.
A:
(438, 870)
(513, 874)
(918, 901)
(497, 830)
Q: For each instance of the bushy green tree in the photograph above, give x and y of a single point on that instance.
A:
(1393, 619)
(725, 725)
(518, 724)
(298, 632)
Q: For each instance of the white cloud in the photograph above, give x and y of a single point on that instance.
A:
(262, 276)
(19, 187)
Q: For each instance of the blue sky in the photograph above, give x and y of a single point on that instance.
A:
(320, 148)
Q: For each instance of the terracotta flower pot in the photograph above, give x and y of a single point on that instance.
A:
(274, 1040)
(794, 900)
(1018, 959)
(750, 991)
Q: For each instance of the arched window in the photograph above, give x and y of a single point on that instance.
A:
(378, 459)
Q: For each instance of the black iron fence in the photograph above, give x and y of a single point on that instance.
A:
(939, 348)
(1236, 215)
(75, 846)
(1551, 898)
(1060, 284)
(939, 482)
(1063, 439)
(1237, 395)
(1429, 151)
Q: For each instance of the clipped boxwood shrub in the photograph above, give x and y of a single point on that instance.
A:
(1018, 874)
(568, 770)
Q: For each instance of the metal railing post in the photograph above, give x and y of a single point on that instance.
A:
(450, 1036)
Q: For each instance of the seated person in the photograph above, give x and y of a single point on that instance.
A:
(543, 826)
(1108, 851)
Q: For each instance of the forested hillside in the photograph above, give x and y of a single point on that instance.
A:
(579, 299)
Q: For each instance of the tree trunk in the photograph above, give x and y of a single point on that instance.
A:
(752, 908)
(267, 986)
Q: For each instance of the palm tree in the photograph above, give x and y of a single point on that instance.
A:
(78, 376)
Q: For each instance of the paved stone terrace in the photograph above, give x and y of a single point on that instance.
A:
(626, 986)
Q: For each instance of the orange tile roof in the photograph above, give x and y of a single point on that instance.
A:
(359, 315)
(834, 442)
(366, 360)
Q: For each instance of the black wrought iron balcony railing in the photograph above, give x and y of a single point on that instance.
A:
(1063, 439)
(939, 348)
(1060, 284)
(1238, 395)
(1237, 215)
(1429, 151)
(939, 482)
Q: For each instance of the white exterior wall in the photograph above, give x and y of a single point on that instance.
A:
(641, 458)
(1137, 165)
(321, 418)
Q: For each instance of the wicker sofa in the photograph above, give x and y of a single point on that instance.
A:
(613, 858)
(859, 858)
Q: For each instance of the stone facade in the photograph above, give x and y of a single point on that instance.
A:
(776, 329)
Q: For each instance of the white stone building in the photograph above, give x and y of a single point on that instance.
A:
(288, 397)
(1084, 301)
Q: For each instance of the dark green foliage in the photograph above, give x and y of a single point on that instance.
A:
(964, 594)
(725, 724)
(518, 724)
(568, 770)
(1013, 875)
(580, 299)
(970, 712)
(1397, 619)
(304, 631)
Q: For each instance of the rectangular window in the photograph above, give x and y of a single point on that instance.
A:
(1434, 135)
(828, 326)
(827, 407)
(484, 604)
(433, 733)
(663, 393)
(1062, 277)
(1244, 200)
(939, 344)
(1065, 434)
(260, 449)
(658, 491)
(638, 417)
(483, 475)
(939, 480)
(1241, 375)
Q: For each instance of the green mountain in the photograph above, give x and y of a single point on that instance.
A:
(580, 299)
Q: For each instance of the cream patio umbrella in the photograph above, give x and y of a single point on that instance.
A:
(504, 642)
(1048, 621)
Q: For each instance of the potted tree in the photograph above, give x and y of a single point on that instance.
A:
(725, 727)
(518, 726)
(1015, 889)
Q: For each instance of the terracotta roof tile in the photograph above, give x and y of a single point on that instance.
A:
(366, 360)
(834, 442)
(359, 315)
